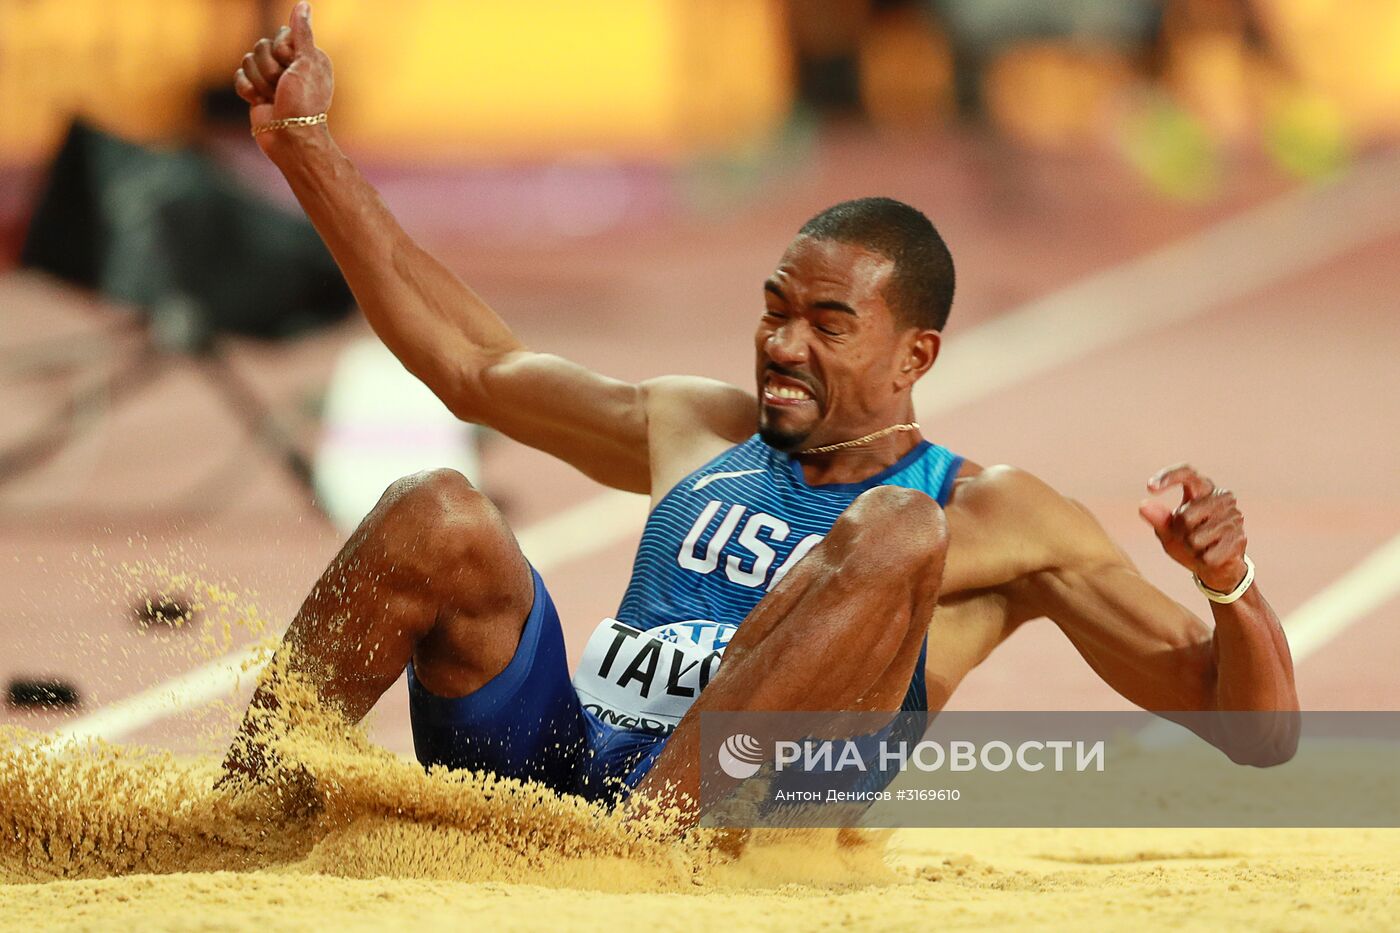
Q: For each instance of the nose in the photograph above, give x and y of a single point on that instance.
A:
(787, 345)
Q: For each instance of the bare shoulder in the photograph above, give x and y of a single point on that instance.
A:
(685, 405)
(992, 492)
(690, 420)
(1006, 523)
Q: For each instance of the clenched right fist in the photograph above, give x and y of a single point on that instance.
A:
(286, 76)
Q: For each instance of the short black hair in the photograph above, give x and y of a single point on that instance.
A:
(920, 290)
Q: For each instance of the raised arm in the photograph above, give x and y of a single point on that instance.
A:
(1151, 649)
(439, 328)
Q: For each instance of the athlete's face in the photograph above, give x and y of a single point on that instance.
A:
(833, 363)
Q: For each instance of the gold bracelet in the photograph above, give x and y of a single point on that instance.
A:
(289, 121)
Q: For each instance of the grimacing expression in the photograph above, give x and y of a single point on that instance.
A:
(832, 359)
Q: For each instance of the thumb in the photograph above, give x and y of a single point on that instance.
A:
(302, 40)
(1157, 514)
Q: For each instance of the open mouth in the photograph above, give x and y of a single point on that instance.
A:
(782, 392)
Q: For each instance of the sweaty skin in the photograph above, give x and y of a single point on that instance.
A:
(832, 363)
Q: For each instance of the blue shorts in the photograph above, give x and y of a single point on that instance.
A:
(527, 722)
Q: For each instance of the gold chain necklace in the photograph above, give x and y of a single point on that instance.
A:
(874, 435)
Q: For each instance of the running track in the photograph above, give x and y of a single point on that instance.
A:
(1267, 359)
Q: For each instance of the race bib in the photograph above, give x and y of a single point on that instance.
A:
(645, 681)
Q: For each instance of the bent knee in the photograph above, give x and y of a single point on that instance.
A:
(433, 499)
(905, 527)
(885, 555)
(892, 533)
(427, 490)
(444, 520)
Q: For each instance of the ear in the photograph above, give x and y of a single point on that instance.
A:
(920, 351)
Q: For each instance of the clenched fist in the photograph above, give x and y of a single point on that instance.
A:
(285, 76)
(1205, 534)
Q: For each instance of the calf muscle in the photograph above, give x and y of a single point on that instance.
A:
(431, 575)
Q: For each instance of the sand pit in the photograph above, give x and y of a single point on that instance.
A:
(349, 836)
(114, 838)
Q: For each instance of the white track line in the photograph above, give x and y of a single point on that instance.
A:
(585, 529)
(1358, 593)
(1235, 258)
(547, 544)
(1230, 260)
(187, 691)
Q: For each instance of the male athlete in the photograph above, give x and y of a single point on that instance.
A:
(798, 543)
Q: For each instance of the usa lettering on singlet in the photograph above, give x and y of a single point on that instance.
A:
(714, 545)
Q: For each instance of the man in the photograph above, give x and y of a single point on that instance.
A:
(803, 538)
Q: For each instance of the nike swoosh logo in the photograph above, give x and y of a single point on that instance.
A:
(704, 481)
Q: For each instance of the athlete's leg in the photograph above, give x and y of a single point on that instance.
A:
(842, 631)
(433, 575)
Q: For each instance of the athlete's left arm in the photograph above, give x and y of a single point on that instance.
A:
(1150, 648)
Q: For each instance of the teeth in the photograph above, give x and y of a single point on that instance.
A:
(788, 392)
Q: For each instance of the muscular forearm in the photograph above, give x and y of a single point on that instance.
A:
(1253, 679)
(1254, 670)
(441, 331)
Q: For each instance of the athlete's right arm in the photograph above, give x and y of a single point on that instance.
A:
(439, 328)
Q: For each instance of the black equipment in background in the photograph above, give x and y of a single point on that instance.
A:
(170, 232)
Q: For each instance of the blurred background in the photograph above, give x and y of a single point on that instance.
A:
(1176, 225)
